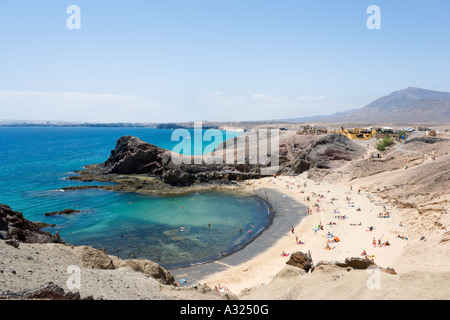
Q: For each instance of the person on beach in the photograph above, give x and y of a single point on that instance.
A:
(374, 243)
(320, 226)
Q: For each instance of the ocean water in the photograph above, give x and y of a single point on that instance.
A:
(173, 230)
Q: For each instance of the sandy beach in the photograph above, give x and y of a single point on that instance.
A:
(341, 210)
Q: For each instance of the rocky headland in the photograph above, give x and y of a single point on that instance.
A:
(137, 166)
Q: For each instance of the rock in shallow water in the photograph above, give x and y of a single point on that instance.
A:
(13, 225)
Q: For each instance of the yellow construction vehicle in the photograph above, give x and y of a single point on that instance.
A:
(350, 133)
(364, 134)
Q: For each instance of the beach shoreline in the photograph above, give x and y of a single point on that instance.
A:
(195, 273)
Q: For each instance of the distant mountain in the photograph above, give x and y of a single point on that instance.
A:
(412, 105)
(318, 118)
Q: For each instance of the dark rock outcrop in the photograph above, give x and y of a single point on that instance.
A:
(296, 154)
(321, 153)
(134, 156)
(14, 226)
(49, 291)
(352, 262)
(356, 263)
(427, 140)
(65, 211)
(301, 260)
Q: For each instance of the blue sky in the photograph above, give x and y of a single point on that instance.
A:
(217, 60)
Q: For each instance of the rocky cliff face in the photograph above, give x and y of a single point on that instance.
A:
(13, 226)
(134, 156)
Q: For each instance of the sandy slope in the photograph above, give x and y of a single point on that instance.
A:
(30, 266)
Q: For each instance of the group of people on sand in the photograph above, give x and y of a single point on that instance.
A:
(314, 199)
(367, 256)
(333, 240)
(384, 215)
(284, 254)
(380, 244)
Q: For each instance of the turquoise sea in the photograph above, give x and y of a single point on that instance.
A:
(173, 230)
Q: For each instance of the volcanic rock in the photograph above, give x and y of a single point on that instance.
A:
(13, 225)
